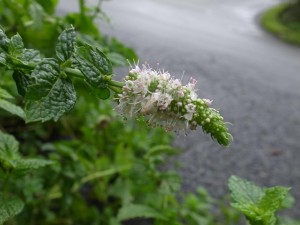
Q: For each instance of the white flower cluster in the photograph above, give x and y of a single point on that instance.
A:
(160, 99)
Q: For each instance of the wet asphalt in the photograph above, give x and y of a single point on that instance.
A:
(253, 78)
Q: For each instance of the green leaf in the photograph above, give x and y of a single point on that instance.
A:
(257, 204)
(30, 164)
(66, 44)
(8, 151)
(30, 56)
(2, 58)
(243, 191)
(10, 208)
(139, 211)
(101, 92)
(60, 99)
(43, 78)
(8, 143)
(49, 95)
(93, 64)
(12, 108)
(22, 81)
(4, 41)
(4, 94)
(37, 14)
(16, 45)
(273, 199)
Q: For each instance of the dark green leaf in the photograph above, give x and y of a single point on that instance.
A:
(93, 64)
(30, 56)
(42, 79)
(10, 208)
(4, 41)
(59, 100)
(8, 150)
(16, 45)
(66, 44)
(139, 211)
(22, 81)
(2, 58)
(12, 108)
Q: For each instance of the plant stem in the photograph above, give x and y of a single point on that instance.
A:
(71, 72)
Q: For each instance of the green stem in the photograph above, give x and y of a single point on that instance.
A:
(99, 174)
(74, 73)
(115, 83)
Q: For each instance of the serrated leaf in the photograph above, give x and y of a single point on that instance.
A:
(30, 56)
(243, 191)
(16, 45)
(139, 211)
(273, 199)
(4, 41)
(2, 58)
(12, 108)
(59, 100)
(66, 44)
(10, 208)
(8, 150)
(31, 164)
(93, 64)
(22, 81)
(42, 79)
(8, 143)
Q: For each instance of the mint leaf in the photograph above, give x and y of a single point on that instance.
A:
(273, 199)
(10, 208)
(66, 44)
(29, 56)
(139, 211)
(30, 164)
(42, 79)
(243, 191)
(16, 45)
(22, 81)
(2, 58)
(8, 151)
(4, 41)
(257, 204)
(48, 95)
(93, 64)
(12, 108)
(59, 100)
(4, 94)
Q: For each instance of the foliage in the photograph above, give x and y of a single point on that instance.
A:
(259, 205)
(279, 21)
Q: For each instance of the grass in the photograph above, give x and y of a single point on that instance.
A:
(273, 20)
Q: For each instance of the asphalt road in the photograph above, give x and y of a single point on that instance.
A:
(253, 78)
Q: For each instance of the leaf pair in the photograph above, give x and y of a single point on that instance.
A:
(50, 94)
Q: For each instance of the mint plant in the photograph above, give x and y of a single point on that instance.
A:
(259, 205)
